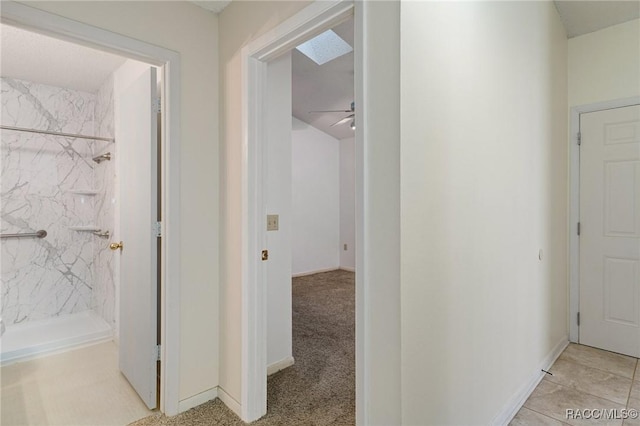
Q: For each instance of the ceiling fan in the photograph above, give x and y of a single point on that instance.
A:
(350, 117)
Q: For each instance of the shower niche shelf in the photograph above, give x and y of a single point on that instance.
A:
(84, 191)
(87, 228)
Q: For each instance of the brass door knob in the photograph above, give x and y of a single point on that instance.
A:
(116, 246)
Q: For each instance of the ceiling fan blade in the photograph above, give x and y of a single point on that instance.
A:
(344, 120)
(338, 110)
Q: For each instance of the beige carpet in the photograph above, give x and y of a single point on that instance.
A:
(320, 388)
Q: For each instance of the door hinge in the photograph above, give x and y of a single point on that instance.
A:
(157, 105)
(158, 351)
(578, 228)
(578, 319)
(265, 255)
(579, 138)
(157, 229)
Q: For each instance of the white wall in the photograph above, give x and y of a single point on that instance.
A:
(316, 200)
(192, 32)
(348, 203)
(605, 65)
(378, 326)
(484, 178)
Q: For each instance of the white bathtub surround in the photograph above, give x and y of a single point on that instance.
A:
(103, 298)
(36, 338)
(52, 276)
(47, 183)
(37, 106)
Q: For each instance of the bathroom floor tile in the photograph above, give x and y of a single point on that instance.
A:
(590, 380)
(620, 365)
(553, 400)
(80, 387)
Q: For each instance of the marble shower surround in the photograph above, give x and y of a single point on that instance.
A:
(42, 278)
(103, 298)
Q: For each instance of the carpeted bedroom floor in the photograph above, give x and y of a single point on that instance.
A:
(319, 389)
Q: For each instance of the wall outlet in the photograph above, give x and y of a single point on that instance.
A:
(272, 222)
(345, 247)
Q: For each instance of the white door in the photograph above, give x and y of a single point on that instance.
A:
(610, 230)
(137, 143)
(277, 200)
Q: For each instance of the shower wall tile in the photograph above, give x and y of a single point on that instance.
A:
(104, 116)
(53, 276)
(105, 277)
(37, 106)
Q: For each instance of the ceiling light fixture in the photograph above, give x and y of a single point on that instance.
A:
(325, 47)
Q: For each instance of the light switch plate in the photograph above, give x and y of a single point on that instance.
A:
(272, 222)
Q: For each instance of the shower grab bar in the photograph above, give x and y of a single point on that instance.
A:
(47, 132)
(38, 234)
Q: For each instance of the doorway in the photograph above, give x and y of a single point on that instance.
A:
(257, 57)
(309, 199)
(21, 15)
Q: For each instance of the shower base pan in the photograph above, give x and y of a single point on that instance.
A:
(44, 337)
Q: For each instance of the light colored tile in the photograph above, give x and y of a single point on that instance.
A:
(634, 404)
(590, 380)
(621, 365)
(553, 400)
(637, 375)
(632, 422)
(526, 417)
(81, 387)
(634, 397)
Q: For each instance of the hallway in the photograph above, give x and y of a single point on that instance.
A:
(584, 378)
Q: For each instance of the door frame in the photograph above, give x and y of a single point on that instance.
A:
(309, 22)
(574, 203)
(76, 32)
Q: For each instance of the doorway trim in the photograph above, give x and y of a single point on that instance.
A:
(84, 34)
(574, 203)
(313, 20)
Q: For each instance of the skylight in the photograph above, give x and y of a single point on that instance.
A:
(325, 47)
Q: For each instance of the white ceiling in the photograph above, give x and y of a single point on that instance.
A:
(34, 57)
(582, 17)
(214, 6)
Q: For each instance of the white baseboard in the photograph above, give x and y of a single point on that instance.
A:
(317, 271)
(195, 400)
(280, 365)
(512, 407)
(230, 402)
(347, 268)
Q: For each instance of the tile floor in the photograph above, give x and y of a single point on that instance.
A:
(584, 378)
(79, 387)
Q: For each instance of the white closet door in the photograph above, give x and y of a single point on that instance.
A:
(610, 230)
